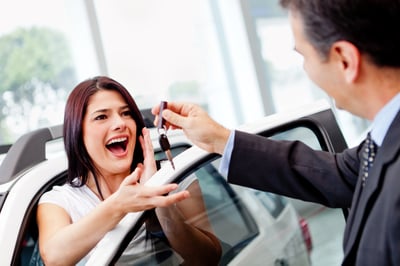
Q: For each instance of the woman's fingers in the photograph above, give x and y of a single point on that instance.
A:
(134, 177)
(159, 195)
(151, 191)
(138, 197)
(164, 201)
(147, 145)
(148, 154)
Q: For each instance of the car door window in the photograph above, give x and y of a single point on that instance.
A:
(230, 219)
(304, 134)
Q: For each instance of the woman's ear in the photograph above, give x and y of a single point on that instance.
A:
(348, 58)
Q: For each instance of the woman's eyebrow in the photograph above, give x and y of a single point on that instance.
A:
(100, 111)
(104, 110)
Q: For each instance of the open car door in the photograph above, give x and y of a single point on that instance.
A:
(252, 227)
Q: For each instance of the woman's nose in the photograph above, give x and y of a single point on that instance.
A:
(119, 123)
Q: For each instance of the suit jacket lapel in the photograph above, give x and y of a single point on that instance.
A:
(365, 196)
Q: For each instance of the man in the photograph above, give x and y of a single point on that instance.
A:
(351, 49)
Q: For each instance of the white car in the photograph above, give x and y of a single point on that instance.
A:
(254, 227)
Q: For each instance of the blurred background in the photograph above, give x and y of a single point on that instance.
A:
(234, 57)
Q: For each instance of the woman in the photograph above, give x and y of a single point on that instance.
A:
(110, 156)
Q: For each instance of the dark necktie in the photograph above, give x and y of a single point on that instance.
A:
(369, 154)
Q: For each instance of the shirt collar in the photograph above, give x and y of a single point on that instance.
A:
(384, 119)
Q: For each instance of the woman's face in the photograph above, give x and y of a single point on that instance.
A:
(109, 133)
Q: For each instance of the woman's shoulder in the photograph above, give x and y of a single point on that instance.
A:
(76, 200)
(63, 191)
(67, 194)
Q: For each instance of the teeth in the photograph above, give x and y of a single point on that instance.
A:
(117, 140)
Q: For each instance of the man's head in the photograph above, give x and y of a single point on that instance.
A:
(350, 49)
(371, 25)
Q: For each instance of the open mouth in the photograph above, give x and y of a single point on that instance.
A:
(117, 145)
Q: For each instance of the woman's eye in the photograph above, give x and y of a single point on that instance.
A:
(100, 117)
(127, 113)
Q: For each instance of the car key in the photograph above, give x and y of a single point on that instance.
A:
(163, 139)
(166, 147)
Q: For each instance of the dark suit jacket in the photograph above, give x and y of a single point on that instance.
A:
(372, 235)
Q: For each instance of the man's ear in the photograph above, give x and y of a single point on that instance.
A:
(348, 57)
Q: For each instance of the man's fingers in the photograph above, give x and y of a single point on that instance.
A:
(175, 114)
(175, 120)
